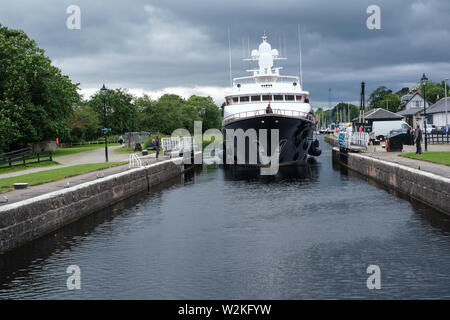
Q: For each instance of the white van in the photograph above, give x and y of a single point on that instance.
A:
(382, 128)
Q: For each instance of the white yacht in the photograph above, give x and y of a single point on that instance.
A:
(268, 100)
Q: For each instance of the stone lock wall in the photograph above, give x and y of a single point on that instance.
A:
(30, 219)
(426, 187)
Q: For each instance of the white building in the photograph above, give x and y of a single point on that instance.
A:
(438, 112)
(413, 109)
(413, 101)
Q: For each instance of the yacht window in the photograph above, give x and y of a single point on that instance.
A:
(244, 99)
(256, 98)
(235, 99)
(266, 98)
(289, 97)
(229, 101)
(306, 99)
(278, 97)
(298, 98)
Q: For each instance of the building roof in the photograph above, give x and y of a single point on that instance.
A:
(408, 97)
(439, 106)
(405, 99)
(410, 112)
(380, 114)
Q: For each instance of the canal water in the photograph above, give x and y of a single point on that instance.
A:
(310, 232)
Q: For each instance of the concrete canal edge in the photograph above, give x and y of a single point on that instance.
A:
(331, 140)
(426, 187)
(30, 219)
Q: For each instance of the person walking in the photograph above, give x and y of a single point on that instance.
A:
(157, 145)
(418, 137)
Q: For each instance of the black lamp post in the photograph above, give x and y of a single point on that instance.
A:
(103, 90)
(424, 81)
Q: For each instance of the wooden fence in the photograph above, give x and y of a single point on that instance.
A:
(23, 157)
(438, 137)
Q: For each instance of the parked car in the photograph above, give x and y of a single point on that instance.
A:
(444, 130)
(430, 128)
(383, 128)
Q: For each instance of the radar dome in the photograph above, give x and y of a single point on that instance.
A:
(275, 53)
(255, 53)
(264, 47)
(265, 60)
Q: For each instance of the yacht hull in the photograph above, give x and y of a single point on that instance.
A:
(295, 138)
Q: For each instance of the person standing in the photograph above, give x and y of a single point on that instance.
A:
(418, 137)
(157, 145)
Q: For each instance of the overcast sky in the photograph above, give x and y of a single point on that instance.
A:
(181, 46)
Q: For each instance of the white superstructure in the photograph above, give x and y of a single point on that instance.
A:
(252, 94)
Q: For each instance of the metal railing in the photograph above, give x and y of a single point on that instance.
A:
(134, 161)
(179, 144)
(347, 139)
(360, 139)
(246, 114)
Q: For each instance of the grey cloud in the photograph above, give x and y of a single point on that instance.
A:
(183, 43)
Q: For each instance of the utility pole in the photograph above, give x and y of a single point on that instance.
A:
(329, 106)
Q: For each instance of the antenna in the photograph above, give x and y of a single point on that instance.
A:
(300, 57)
(229, 55)
(248, 51)
(285, 53)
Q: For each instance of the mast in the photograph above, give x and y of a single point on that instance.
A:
(229, 55)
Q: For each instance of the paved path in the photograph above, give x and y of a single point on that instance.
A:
(93, 156)
(439, 169)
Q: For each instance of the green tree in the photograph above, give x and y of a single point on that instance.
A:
(165, 115)
(84, 124)
(377, 96)
(204, 109)
(434, 90)
(121, 112)
(391, 102)
(35, 98)
(402, 92)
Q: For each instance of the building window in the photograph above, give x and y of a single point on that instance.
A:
(256, 98)
(289, 98)
(245, 99)
(278, 97)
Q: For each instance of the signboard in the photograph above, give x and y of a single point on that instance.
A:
(341, 139)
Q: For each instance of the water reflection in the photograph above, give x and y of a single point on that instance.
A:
(309, 171)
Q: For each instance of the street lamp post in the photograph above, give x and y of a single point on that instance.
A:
(424, 81)
(103, 90)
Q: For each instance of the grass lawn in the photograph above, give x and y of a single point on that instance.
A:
(28, 166)
(442, 157)
(55, 174)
